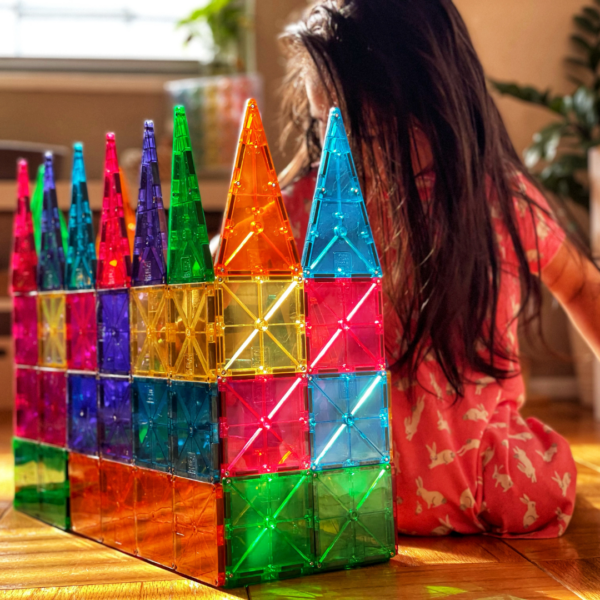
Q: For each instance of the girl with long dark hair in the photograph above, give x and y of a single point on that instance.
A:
(465, 236)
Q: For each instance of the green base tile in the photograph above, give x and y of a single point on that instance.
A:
(27, 495)
(354, 517)
(268, 527)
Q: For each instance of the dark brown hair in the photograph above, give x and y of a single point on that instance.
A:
(395, 67)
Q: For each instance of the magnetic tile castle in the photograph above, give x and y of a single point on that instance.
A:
(227, 422)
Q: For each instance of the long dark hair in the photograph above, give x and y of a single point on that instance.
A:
(395, 67)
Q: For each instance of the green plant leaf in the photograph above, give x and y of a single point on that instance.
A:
(585, 24)
(591, 13)
(584, 107)
(581, 42)
(579, 62)
(531, 95)
(201, 14)
(545, 144)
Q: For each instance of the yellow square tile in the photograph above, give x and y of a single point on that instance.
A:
(52, 330)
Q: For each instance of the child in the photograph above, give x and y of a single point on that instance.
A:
(464, 236)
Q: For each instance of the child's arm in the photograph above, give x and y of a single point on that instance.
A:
(575, 283)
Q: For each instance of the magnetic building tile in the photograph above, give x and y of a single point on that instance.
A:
(339, 240)
(53, 407)
(198, 530)
(349, 419)
(82, 333)
(25, 329)
(194, 430)
(268, 527)
(117, 496)
(354, 516)
(113, 332)
(256, 238)
(27, 404)
(83, 414)
(148, 311)
(52, 330)
(264, 425)
(260, 324)
(151, 423)
(54, 486)
(114, 419)
(84, 490)
(191, 332)
(27, 494)
(154, 516)
(344, 325)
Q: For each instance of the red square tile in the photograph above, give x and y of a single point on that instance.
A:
(117, 489)
(154, 516)
(84, 480)
(27, 404)
(82, 335)
(198, 524)
(53, 407)
(25, 330)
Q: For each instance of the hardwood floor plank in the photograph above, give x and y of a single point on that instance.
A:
(581, 576)
(392, 581)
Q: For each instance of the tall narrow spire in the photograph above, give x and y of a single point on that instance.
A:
(51, 268)
(189, 258)
(150, 247)
(339, 241)
(37, 204)
(80, 271)
(256, 238)
(114, 259)
(24, 257)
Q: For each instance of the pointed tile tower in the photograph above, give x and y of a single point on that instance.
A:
(339, 241)
(189, 258)
(256, 238)
(37, 204)
(24, 258)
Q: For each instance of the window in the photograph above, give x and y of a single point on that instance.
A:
(99, 29)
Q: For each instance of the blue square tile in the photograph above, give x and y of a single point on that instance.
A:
(349, 423)
(151, 415)
(113, 332)
(114, 419)
(83, 414)
(194, 430)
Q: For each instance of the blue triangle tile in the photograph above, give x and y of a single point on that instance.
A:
(339, 241)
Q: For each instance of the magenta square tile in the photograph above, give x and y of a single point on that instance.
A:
(25, 330)
(82, 334)
(27, 404)
(53, 394)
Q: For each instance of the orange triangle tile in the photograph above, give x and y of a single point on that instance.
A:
(256, 238)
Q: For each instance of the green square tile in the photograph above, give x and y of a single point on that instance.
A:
(354, 516)
(27, 497)
(268, 527)
(54, 486)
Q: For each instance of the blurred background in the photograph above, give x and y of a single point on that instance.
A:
(71, 71)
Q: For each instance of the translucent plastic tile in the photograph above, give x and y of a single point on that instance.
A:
(37, 203)
(189, 258)
(113, 332)
(84, 484)
(83, 414)
(27, 495)
(80, 269)
(344, 325)
(264, 425)
(25, 330)
(148, 309)
(256, 239)
(198, 530)
(114, 257)
(117, 497)
(51, 256)
(260, 324)
(349, 423)
(53, 407)
(151, 415)
(154, 516)
(191, 332)
(23, 261)
(54, 486)
(268, 527)
(52, 343)
(150, 246)
(339, 241)
(354, 516)
(194, 430)
(82, 333)
(114, 419)
(27, 404)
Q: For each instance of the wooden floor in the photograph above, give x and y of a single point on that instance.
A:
(38, 561)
